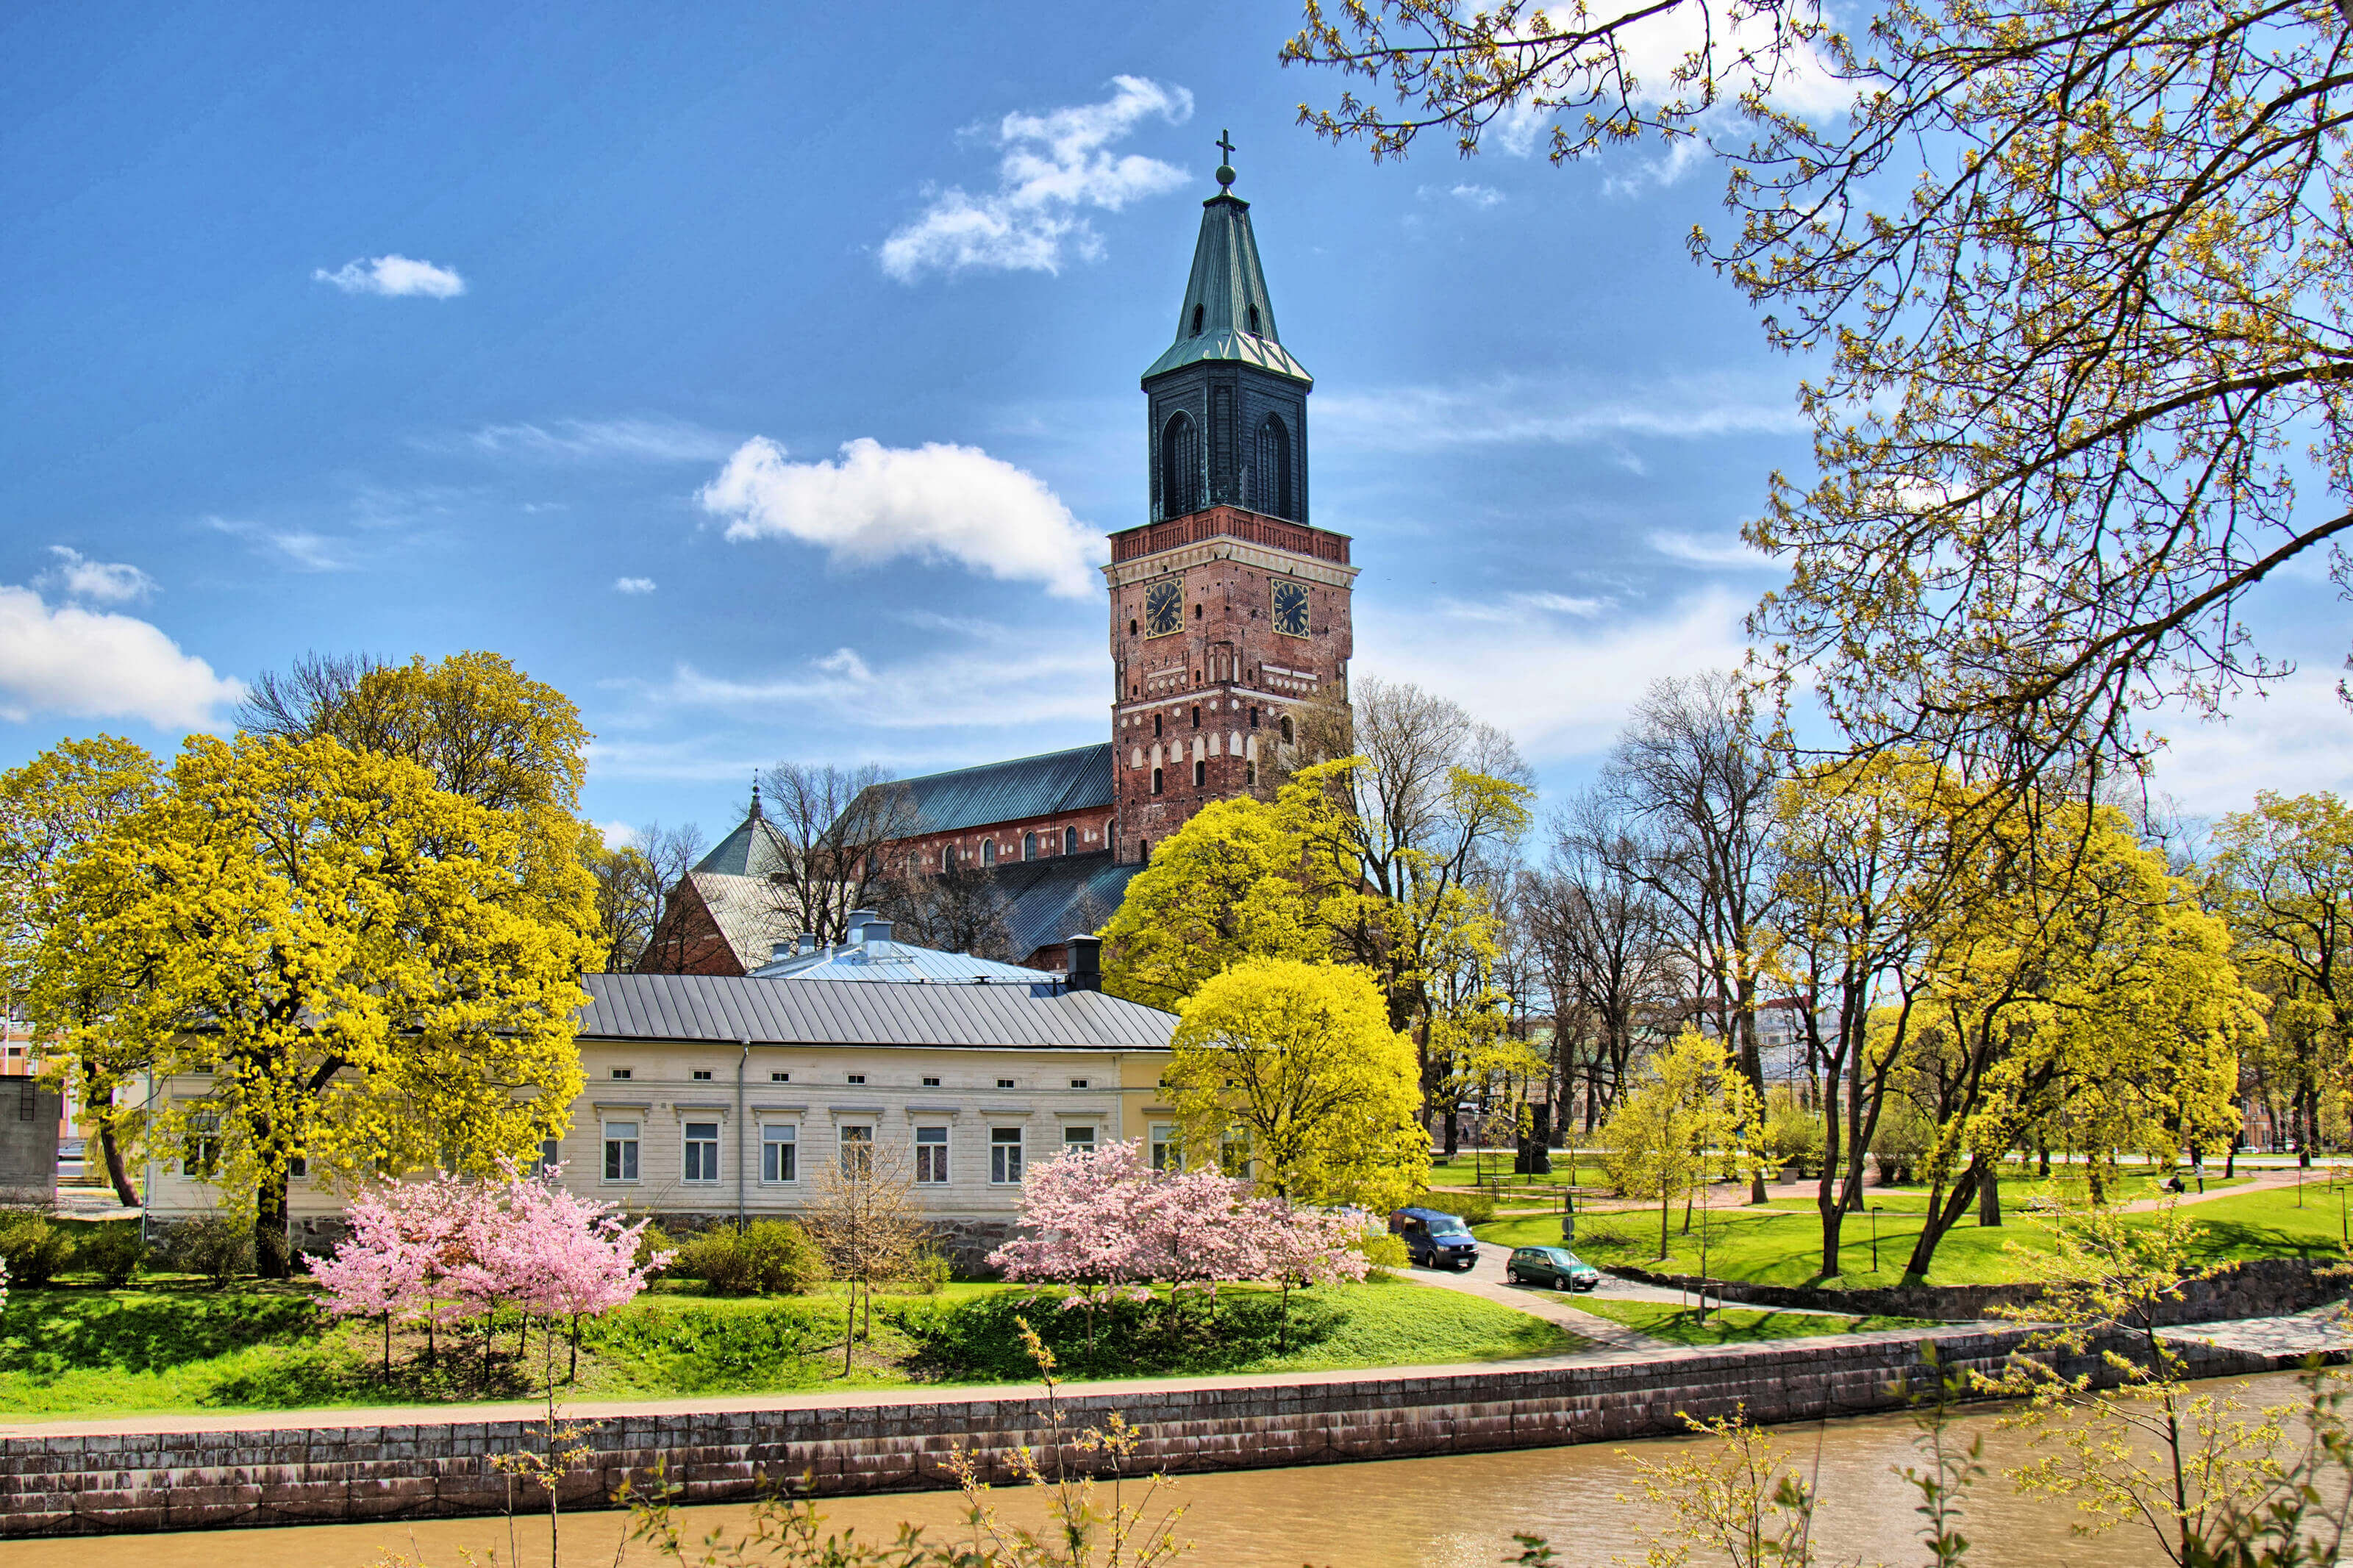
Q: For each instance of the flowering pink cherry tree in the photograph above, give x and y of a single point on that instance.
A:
(448, 1248)
(1106, 1224)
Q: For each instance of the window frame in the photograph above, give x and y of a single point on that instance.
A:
(1006, 1155)
(789, 1143)
(693, 1150)
(624, 1152)
(932, 1143)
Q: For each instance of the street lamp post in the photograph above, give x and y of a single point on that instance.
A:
(1875, 1237)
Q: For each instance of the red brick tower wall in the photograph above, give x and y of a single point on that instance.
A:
(1225, 663)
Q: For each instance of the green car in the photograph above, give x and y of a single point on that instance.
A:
(1555, 1267)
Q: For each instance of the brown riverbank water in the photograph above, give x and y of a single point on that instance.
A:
(1450, 1512)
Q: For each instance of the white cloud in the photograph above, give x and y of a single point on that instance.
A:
(992, 678)
(1515, 411)
(1056, 165)
(299, 547)
(615, 835)
(1693, 550)
(1467, 194)
(2296, 739)
(393, 276)
(1562, 688)
(90, 664)
(629, 440)
(107, 583)
(1516, 607)
(633, 584)
(933, 502)
(1650, 53)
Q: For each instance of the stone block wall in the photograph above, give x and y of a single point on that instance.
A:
(114, 1482)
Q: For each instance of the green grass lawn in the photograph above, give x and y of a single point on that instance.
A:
(176, 1345)
(1727, 1325)
(1462, 1171)
(1784, 1247)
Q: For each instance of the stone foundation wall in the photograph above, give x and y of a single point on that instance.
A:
(98, 1484)
(2270, 1287)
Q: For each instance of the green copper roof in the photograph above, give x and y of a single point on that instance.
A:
(1227, 285)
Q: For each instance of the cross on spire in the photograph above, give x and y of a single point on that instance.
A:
(1225, 143)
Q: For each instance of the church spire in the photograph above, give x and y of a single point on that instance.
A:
(1228, 316)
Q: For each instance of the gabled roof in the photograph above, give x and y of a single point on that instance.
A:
(1060, 895)
(1226, 286)
(871, 958)
(747, 911)
(818, 1012)
(755, 849)
(1077, 780)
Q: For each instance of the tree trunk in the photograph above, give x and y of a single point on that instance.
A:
(1666, 1207)
(1990, 1199)
(117, 1175)
(1944, 1211)
(2043, 1167)
(1453, 1135)
(272, 1256)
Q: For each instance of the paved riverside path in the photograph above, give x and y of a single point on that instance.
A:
(1640, 1350)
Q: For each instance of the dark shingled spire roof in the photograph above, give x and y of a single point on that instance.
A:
(1227, 285)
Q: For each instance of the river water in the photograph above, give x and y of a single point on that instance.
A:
(1449, 1512)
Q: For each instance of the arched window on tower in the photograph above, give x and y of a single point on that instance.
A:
(1270, 467)
(1070, 841)
(1180, 467)
(1253, 320)
(1198, 312)
(1028, 846)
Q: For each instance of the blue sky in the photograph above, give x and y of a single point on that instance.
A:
(765, 379)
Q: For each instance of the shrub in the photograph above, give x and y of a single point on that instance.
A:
(1385, 1252)
(927, 1271)
(768, 1258)
(113, 1253)
(35, 1246)
(215, 1246)
(653, 1239)
(1472, 1208)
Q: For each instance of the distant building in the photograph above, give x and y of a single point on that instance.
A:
(1228, 611)
(709, 1097)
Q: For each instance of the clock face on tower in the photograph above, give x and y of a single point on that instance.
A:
(1164, 608)
(1290, 609)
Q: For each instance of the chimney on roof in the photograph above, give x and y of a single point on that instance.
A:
(1085, 963)
(876, 929)
(854, 928)
(780, 950)
(805, 942)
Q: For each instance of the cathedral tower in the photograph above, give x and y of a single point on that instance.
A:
(1227, 609)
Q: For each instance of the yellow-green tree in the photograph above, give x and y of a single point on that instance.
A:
(369, 971)
(2071, 975)
(1300, 1059)
(2283, 876)
(1240, 879)
(1867, 849)
(51, 810)
(1691, 1111)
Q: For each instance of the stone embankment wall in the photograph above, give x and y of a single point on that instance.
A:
(2266, 1288)
(95, 1484)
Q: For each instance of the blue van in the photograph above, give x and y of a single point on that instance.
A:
(1435, 1240)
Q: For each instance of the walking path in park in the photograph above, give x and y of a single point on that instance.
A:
(2281, 1337)
(1641, 1352)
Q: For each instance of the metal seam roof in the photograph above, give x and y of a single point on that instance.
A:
(697, 1007)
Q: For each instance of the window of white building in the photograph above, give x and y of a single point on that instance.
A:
(701, 1152)
(930, 1156)
(779, 1153)
(1005, 1156)
(620, 1151)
